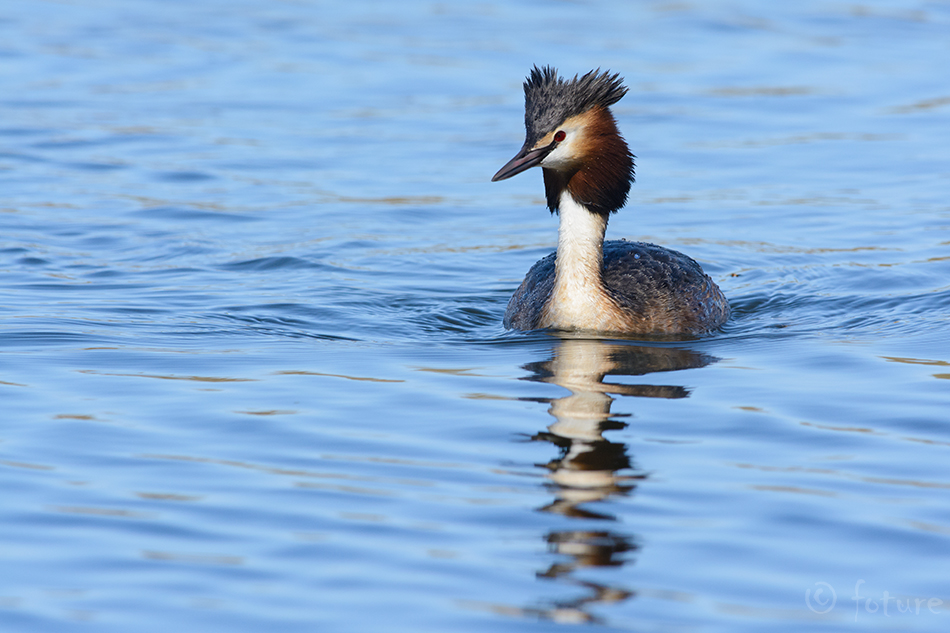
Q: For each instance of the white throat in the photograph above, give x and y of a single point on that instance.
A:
(579, 300)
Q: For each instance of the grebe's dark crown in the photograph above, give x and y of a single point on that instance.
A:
(549, 99)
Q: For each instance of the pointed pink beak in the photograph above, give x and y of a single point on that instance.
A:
(523, 160)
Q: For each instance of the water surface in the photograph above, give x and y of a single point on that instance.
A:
(252, 366)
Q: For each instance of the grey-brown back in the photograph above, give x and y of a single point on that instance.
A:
(660, 291)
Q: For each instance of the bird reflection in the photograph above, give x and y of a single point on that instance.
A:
(590, 469)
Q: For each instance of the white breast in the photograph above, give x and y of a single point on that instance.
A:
(579, 300)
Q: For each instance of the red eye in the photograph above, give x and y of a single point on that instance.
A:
(559, 136)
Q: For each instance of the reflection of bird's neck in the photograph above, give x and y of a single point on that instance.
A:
(580, 366)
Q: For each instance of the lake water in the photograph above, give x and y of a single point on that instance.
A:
(252, 369)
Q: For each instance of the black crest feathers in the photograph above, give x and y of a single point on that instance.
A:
(549, 99)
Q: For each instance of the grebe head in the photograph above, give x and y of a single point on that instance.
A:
(573, 136)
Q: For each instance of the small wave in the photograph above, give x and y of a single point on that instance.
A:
(176, 213)
(277, 263)
(183, 176)
(796, 311)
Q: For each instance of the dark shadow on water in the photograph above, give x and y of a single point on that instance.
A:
(590, 470)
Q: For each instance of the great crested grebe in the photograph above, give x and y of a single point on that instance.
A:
(589, 284)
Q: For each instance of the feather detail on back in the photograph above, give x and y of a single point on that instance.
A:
(659, 291)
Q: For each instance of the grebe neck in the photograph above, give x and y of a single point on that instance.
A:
(578, 297)
(580, 243)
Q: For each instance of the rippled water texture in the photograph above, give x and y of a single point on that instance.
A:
(252, 370)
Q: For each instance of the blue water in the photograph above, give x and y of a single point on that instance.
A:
(252, 369)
